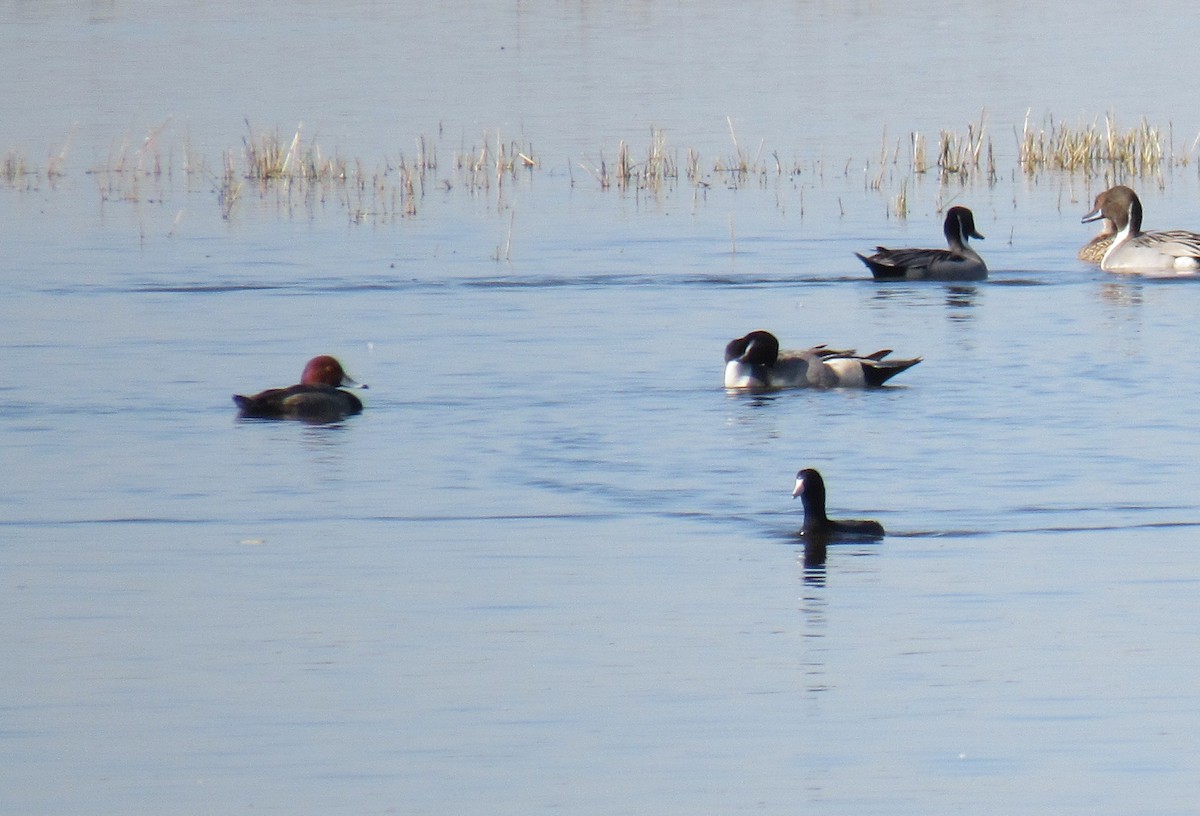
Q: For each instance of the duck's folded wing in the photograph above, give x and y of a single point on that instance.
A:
(823, 351)
(321, 403)
(857, 372)
(912, 257)
(901, 263)
(1180, 243)
(800, 369)
(265, 404)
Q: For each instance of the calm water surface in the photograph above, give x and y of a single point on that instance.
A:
(553, 566)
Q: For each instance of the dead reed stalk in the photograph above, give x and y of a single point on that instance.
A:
(1092, 148)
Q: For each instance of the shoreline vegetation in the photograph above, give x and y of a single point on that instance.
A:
(296, 172)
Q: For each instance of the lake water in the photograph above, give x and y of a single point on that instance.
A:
(553, 567)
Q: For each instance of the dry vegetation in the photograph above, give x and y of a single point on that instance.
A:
(293, 174)
(1093, 148)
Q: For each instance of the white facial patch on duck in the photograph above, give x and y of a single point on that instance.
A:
(744, 375)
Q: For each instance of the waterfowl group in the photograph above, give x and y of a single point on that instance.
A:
(958, 263)
(755, 362)
(1131, 249)
(1120, 246)
(318, 397)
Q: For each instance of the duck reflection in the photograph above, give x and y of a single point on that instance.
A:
(1122, 294)
(960, 299)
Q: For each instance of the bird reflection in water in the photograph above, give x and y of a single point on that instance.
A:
(960, 299)
(815, 546)
(1122, 294)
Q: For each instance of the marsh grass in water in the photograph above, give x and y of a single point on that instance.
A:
(962, 154)
(294, 175)
(1094, 149)
(655, 172)
(13, 168)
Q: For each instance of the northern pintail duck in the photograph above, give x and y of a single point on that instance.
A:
(958, 263)
(316, 398)
(755, 362)
(810, 487)
(1133, 250)
(1093, 251)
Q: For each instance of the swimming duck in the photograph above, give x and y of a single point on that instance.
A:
(1133, 250)
(755, 362)
(958, 263)
(1093, 251)
(810, 487)
(317, 397)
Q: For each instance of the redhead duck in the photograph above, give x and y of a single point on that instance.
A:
(317, 398)
(1133, 250)
(958, 263)
(755, 362)
(810, 487)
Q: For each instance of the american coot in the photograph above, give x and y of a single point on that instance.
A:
(755, 362)
(317, 397)
(958, 263)
(810, 487)
(1134, 250)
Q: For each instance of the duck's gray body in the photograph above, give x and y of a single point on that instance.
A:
(1132, 250)
(755, 362)
(959, 262)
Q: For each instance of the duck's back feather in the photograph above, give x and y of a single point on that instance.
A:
(316, 403)
(919, 264)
